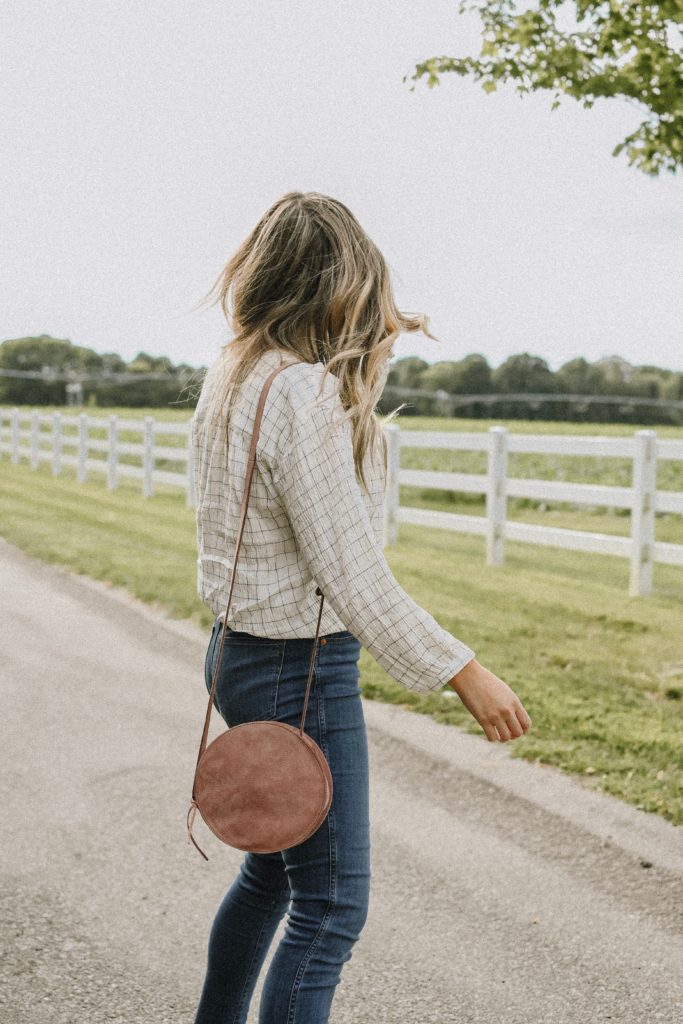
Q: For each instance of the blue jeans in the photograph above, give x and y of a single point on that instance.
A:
(326, 879)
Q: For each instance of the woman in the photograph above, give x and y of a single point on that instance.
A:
(309, 285)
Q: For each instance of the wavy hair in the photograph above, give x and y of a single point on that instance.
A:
(309, 282)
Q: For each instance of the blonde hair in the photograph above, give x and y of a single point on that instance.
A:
(309, 282)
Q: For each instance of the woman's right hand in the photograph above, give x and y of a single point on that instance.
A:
(495, 706)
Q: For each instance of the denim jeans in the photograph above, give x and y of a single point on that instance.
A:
(323, 882)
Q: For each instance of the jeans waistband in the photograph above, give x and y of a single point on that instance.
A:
(343, 634)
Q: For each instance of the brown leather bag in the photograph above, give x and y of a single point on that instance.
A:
(260, 786)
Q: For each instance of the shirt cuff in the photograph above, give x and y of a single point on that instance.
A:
(467, 656)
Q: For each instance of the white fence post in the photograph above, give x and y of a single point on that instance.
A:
(56, 443)
(148, 457)
(190, 493)
(392, 432)
(82, 472)
(35, 439)
(16, 426)
(496, 498)
(643, 512)
(642, 498)
(113, 455)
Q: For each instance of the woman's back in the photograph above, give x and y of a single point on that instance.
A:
(308, 524)
(273, 594)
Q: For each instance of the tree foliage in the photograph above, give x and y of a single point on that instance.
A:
(525, 373)
(521, 373)
(45, 353)
(616, 48)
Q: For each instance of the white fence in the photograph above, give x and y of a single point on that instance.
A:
(74, 449)
(644, 449)
(642, 498)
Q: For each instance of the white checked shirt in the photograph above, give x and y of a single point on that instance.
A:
(309, 523)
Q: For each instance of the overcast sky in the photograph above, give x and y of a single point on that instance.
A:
(142, 141)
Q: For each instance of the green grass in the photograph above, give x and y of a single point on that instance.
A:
(600, 672)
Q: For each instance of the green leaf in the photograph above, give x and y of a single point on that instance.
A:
(620, 50)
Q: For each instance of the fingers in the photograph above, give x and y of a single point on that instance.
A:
(490, 731)
(503, 730)
(523, 717)
(495, 706)
(509, 725)
(515, 726)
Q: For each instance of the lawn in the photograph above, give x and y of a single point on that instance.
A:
(600, 672)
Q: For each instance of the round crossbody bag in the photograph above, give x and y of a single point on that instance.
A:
(260, 786)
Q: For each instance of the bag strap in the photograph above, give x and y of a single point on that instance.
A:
(251, 462)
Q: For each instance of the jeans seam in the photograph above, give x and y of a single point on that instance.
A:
(332, 893)
(250, 972)
(209, 658)
(276, 687)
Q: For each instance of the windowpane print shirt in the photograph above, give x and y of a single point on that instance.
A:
(309, 523)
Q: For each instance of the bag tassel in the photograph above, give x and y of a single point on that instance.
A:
(190, 825)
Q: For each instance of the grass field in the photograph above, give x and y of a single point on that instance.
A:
(600, 672)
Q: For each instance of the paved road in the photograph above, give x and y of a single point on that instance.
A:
(502, 891)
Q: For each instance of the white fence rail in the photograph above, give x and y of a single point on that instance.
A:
(644, 449)
(79, 448)
(22, 436)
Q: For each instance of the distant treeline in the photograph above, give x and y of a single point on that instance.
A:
(519, 375)
(77, 363)
(609, 378)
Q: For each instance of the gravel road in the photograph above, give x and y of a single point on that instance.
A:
(502, 891)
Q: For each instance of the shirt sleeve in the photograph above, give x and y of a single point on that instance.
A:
(314, 475)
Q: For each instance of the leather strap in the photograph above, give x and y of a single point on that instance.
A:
(251, 462)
